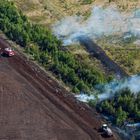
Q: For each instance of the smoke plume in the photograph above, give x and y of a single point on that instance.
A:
(101, 22)
(110, 90)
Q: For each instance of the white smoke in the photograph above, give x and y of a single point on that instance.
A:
(109, 90)
(133, 125)
(133, 83)
(103, 21)
(84, 97)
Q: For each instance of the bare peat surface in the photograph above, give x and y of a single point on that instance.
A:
(35, 107)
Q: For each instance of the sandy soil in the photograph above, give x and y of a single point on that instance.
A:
(35, 107)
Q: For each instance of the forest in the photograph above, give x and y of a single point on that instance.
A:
(123, 107)
(46, 49)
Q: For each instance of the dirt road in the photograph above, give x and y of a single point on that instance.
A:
(35, 107)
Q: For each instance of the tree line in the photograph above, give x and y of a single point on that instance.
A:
(45, 48)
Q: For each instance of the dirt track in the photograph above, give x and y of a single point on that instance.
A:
(34, 107)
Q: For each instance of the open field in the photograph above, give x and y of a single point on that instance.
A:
(47, 12)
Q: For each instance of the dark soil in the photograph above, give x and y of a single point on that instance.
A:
(35, 107)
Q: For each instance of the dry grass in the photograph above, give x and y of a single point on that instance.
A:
(127, 55)
(49, 11)
(128, 4)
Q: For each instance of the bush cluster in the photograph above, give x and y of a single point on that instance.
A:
(125, 106)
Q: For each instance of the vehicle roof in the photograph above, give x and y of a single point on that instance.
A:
(8, 49)
(104, 125)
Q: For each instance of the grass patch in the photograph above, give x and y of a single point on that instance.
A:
(125, 53)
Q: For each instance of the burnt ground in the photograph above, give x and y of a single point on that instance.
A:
(35, 107)
(99, 53)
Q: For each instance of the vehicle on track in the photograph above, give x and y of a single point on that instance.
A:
(7, 52)
(106, 130)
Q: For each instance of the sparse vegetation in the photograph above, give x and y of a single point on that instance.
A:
(87, 1)
(124, 52)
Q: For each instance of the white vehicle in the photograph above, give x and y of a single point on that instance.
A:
(107, 131)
